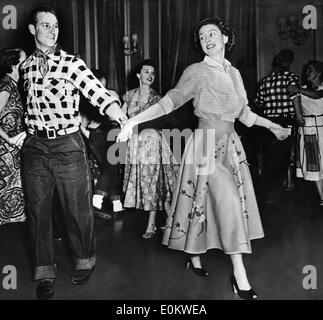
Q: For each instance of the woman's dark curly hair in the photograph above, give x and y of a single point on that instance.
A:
(8, 59)
(146, 62)
(224, 28)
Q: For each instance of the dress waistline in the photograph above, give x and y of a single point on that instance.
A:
(218, 125)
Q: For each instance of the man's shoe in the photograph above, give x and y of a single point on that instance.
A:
(81, 276)
(45, 289)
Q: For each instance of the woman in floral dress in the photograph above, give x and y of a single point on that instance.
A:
(150, 171)
(214, 205)
(12, 204)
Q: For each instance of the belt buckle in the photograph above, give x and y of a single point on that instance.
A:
(51, 133)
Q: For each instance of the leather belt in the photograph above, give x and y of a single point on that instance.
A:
(52, 133)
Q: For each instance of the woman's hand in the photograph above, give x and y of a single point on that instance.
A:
(126, 131)
(18, 140)
(279, 132)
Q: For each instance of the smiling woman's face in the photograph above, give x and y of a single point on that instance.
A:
(146, 75)
(212, 40)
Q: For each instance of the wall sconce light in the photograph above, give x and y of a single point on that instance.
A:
(291, 27)
(130, 46)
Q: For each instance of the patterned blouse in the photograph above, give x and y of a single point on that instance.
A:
(11, 115)
(134, 107)
(217, 92)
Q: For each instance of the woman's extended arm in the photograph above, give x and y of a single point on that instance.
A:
(314, 94)
(153, 112)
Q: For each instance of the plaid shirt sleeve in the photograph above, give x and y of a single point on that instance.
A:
(91, 87)
(259, 99)
(293, 80)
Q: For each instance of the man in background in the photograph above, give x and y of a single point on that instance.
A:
(276, 104)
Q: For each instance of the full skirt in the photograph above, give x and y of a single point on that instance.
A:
(150, 171)
(214, 204)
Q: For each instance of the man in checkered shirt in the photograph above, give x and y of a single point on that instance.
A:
(54, 152)
(276, 104)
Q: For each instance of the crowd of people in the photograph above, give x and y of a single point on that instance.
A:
(47, 137)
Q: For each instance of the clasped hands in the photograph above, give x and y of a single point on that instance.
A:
(126, 131)
(279, 132)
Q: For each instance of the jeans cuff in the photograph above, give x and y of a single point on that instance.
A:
(88, 263)
(45, 272)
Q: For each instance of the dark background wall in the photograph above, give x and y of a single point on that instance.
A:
(269, 42)
(260, 41)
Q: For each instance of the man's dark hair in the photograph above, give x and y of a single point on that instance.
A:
(8, 59)
(286, 56)
(33, 15)
(283, 59)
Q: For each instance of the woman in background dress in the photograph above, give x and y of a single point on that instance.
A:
(309, 161)
(12, 204)
(150, 172)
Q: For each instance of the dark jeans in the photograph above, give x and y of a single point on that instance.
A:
(60, 162)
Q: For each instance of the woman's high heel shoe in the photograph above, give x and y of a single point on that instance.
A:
(243, 294)
(151, 232)
(198, 271)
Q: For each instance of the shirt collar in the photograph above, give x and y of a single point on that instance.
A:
(49, 54)
(213, 63)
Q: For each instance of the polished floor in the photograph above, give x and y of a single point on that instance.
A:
(129, 267)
